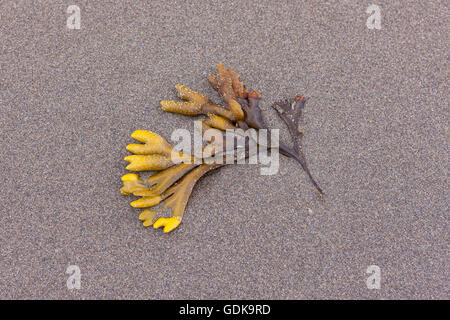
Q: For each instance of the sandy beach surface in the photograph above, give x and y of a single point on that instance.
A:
(376, 140)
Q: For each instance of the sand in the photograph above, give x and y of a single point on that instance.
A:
(376, 140)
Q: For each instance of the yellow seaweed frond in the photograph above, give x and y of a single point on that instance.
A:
(161, 181)
(218, 122)
(132, 184)
(148, 162)
(168, 223)
(178, 195)
(153, 143)
(236, 109)
(219, 110)
(212, 79)
(146, 202)
(148, 217)
(209, 133)
(193, 106)
(186, 108)
(190, 95)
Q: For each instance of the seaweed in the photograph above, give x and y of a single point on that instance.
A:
(171, 187)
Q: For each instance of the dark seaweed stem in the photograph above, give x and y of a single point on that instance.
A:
(291, 111)
(289, 152)
(304, 166)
